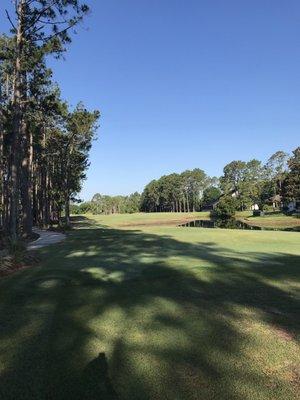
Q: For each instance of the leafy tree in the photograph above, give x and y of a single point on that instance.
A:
(244, 181)
(291, 184)
(103, 204)
(276, 170)
(225, 208)
(211, 194)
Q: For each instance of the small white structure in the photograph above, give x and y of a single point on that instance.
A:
(254, 207)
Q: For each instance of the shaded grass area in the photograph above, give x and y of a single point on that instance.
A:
(174, 313)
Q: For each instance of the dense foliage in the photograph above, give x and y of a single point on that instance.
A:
(43, 144)
(291, 184)
(225, 208)
(242, 185)
(103, 204)
(177, 192)
(271, 184)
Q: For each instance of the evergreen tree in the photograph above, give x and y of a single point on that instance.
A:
(291, 184)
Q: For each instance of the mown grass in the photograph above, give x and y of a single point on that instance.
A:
(148, 219)
(275, 220)
(271, 220)
(179, 313)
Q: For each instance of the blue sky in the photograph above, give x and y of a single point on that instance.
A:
(183, 84)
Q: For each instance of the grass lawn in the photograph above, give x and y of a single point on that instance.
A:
(275, 220)
(149, 219)
(176, 313)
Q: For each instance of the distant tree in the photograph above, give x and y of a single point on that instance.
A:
(211, 194)
(103, 204)
(226, 207)
(244, 179)
(150, 197)
(233, 176)
(176, 192)
(291, 184)
(133, 203)
(76, 143)
(276, 170)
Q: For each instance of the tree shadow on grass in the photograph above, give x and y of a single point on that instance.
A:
(171, 318)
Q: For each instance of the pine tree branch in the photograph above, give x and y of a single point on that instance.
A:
(8, 16)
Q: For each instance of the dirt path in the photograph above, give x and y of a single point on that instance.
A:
(45, 239)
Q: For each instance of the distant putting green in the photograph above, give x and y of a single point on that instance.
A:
(176, 313)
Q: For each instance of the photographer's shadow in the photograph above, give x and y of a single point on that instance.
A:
(96, 383)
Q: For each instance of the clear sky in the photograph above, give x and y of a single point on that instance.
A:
(183, 84)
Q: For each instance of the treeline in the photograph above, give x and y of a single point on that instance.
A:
(104, 204)
(275, 183)
(183, 192)
(176, 192)
(244, 184)
(44, 144)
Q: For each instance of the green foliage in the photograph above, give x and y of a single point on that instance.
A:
(226, 207)
(41, 140)
(176, 192)
(83, 208)
(211, 194)
(245, 179)
(276, 170)
(103, 204)
(291, 184)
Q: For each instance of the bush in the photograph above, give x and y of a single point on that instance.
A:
(225, 208)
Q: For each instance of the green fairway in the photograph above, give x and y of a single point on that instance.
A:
(180, 313)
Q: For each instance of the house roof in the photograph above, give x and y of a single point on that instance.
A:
(276, 198)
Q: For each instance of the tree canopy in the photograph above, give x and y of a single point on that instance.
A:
(44, 144)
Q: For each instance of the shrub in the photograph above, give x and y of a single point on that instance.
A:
(225, 208)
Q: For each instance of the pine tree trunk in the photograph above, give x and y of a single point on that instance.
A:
(67, 210)
(187, 203)
(2, 177)
(16, 124)
(25, 173)
(25, 186)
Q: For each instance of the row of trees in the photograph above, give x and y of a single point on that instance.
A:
(276, 182)
(177, 192)
(103, 204)
(242, 185)
(44, 144)
(256, 183)
(291, 183)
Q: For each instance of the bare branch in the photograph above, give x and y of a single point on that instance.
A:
(8, 16)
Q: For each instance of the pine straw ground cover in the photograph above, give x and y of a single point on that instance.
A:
(154, 312)
(14, 256)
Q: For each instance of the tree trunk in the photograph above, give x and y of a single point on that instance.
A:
(17, 122)
(67, 210)
(25, 186)
(25, 173)
(187, 203)
(2, 174)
